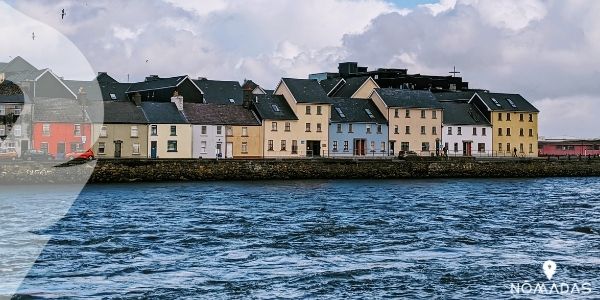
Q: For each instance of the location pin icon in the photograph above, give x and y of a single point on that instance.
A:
(549, 269)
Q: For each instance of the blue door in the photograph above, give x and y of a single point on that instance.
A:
(153, 149)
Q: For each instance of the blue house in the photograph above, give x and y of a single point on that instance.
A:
(357, 128)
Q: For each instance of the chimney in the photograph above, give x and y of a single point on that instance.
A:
(178, 100)
(137, 99)
(101, 73)
(202, 78)
(152, 78)
(82, 96)
(347, 68)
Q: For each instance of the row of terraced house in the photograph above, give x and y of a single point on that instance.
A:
(350, 113)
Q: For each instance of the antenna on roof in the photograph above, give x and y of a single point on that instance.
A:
(454, 72)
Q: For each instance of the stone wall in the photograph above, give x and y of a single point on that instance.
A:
(115, 171)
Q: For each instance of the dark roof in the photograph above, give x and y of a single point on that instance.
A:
(163, 113)
(220, 92)
(347, 110)
(59, 110)
(504, 102)
(454, 96)
(408, 98)
(219, 114)
(351, 85)
(156, 84)
(462, 113)
(249, 85)
(306, 90)
(273, 107)
(329, 84)
(17, 98)
(91, 88)
(122, 112)
(116, 89)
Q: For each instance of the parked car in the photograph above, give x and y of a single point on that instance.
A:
(8, 154)
(86, 155)
(36, 155)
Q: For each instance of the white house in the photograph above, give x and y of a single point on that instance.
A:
(465, 130)
(208, 136)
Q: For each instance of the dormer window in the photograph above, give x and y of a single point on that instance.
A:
(113, 96)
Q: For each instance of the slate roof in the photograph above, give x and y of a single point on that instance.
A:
(28, 75)
(329, 84)
(408, 98)
(17, 64)
(219, 92)
(462, 113)
(219, 114)
(504, 102)
(454, 96)
(156, 84)
(350, 87)
(90, 87)
(354, 111)
(122, 112)
(163, 113)
(306, 90)
(59, 110)
(266, 111)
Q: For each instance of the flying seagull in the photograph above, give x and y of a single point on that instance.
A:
(63, 14)
(33, 36)
(147, 60)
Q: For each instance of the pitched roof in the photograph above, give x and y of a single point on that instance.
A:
(116, 89)
(156, 84)
(462, 113)
(91, 88)
(59, 110)
(454, 96)
(408, 98)
(273, 107)
(122, 112)
(220, 92)
(329, 84)
(506, 102)
(17, 64)
(348, 110)
(350, 86)
(26, 75)
(163, 113)
(306, 90)
(219, 114)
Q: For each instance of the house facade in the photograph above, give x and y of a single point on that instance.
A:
(124, 133)
(465, 130)
(514, 121)
(15, 119)
(169, 133)
(565, 147)
(277, 122)
(414, 119)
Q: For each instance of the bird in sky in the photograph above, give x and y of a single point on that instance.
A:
(63, 14)
(147, 60)
(33, 36)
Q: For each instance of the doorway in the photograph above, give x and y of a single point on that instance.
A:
(229, 150)
(360, 147)
(24, 146)
(60, 150)
(313, 148)
(392, 146)
(467, 148)
(118, 149)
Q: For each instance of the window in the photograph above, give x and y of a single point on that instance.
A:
(530, 117)
(368, 128)
(113, 96)
(134, 131)
(294, 146)
(455, 147)
(203, 130)
(203, 147)
(499, 131)
(434, 114)
(46, 129)
(378, 129)
(287, 126)
(102, 148)
(318, 110)
(372, 146)
(396, 115)
(396, 130)
(244, 131)
(77, 129)
(422, 114)
(407, 113)
(307, 127)
(507, 131)
(270, 145)
(483, 131)
(382, 146)
(499, 116)
(530, 148)
(449, 130)
(44, 147)
(350, 128)
(318, 127)
(75, 147)
(339, 128)
(275, 108)
(474, 130)
(404, 146)
(17, 131)
(274, 126)
(459, 130)
(308, 110)
(219, 130)
(231, 100)
(229, 130)
(481, 147)
(531, 132)
(521, 148)
(425, 146)
(283, 145)
(521, 132)
(340, 112)
(335, 146)
(244, 147)
(154, 130)
(500, 147)
(173, 130)
(407, 130)
(508, 147)
(369, 113)
(423, 130)
(521, 118)
(507, 116)
(136, 149)
(171, 146)
(346, 147)
(434, 130)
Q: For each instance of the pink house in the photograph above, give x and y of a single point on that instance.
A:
(554, 147)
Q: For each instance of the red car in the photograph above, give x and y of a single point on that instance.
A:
(87, 155)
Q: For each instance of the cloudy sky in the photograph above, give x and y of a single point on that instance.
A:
(548, 51)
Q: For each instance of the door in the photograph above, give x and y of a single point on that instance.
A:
(313, 148)
(60, 150)
(24, 146)
(229, 150)
(219, 150)
(359, 147)
(392, 146)
(467, 148)
(153, 149)
(118, 149)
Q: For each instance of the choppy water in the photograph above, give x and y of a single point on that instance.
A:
(321, 239)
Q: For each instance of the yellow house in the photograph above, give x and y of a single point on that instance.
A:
(414, 119)
(169, 133)
(309, 134)
(124, 133)
(278, 123)
(514, 123)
